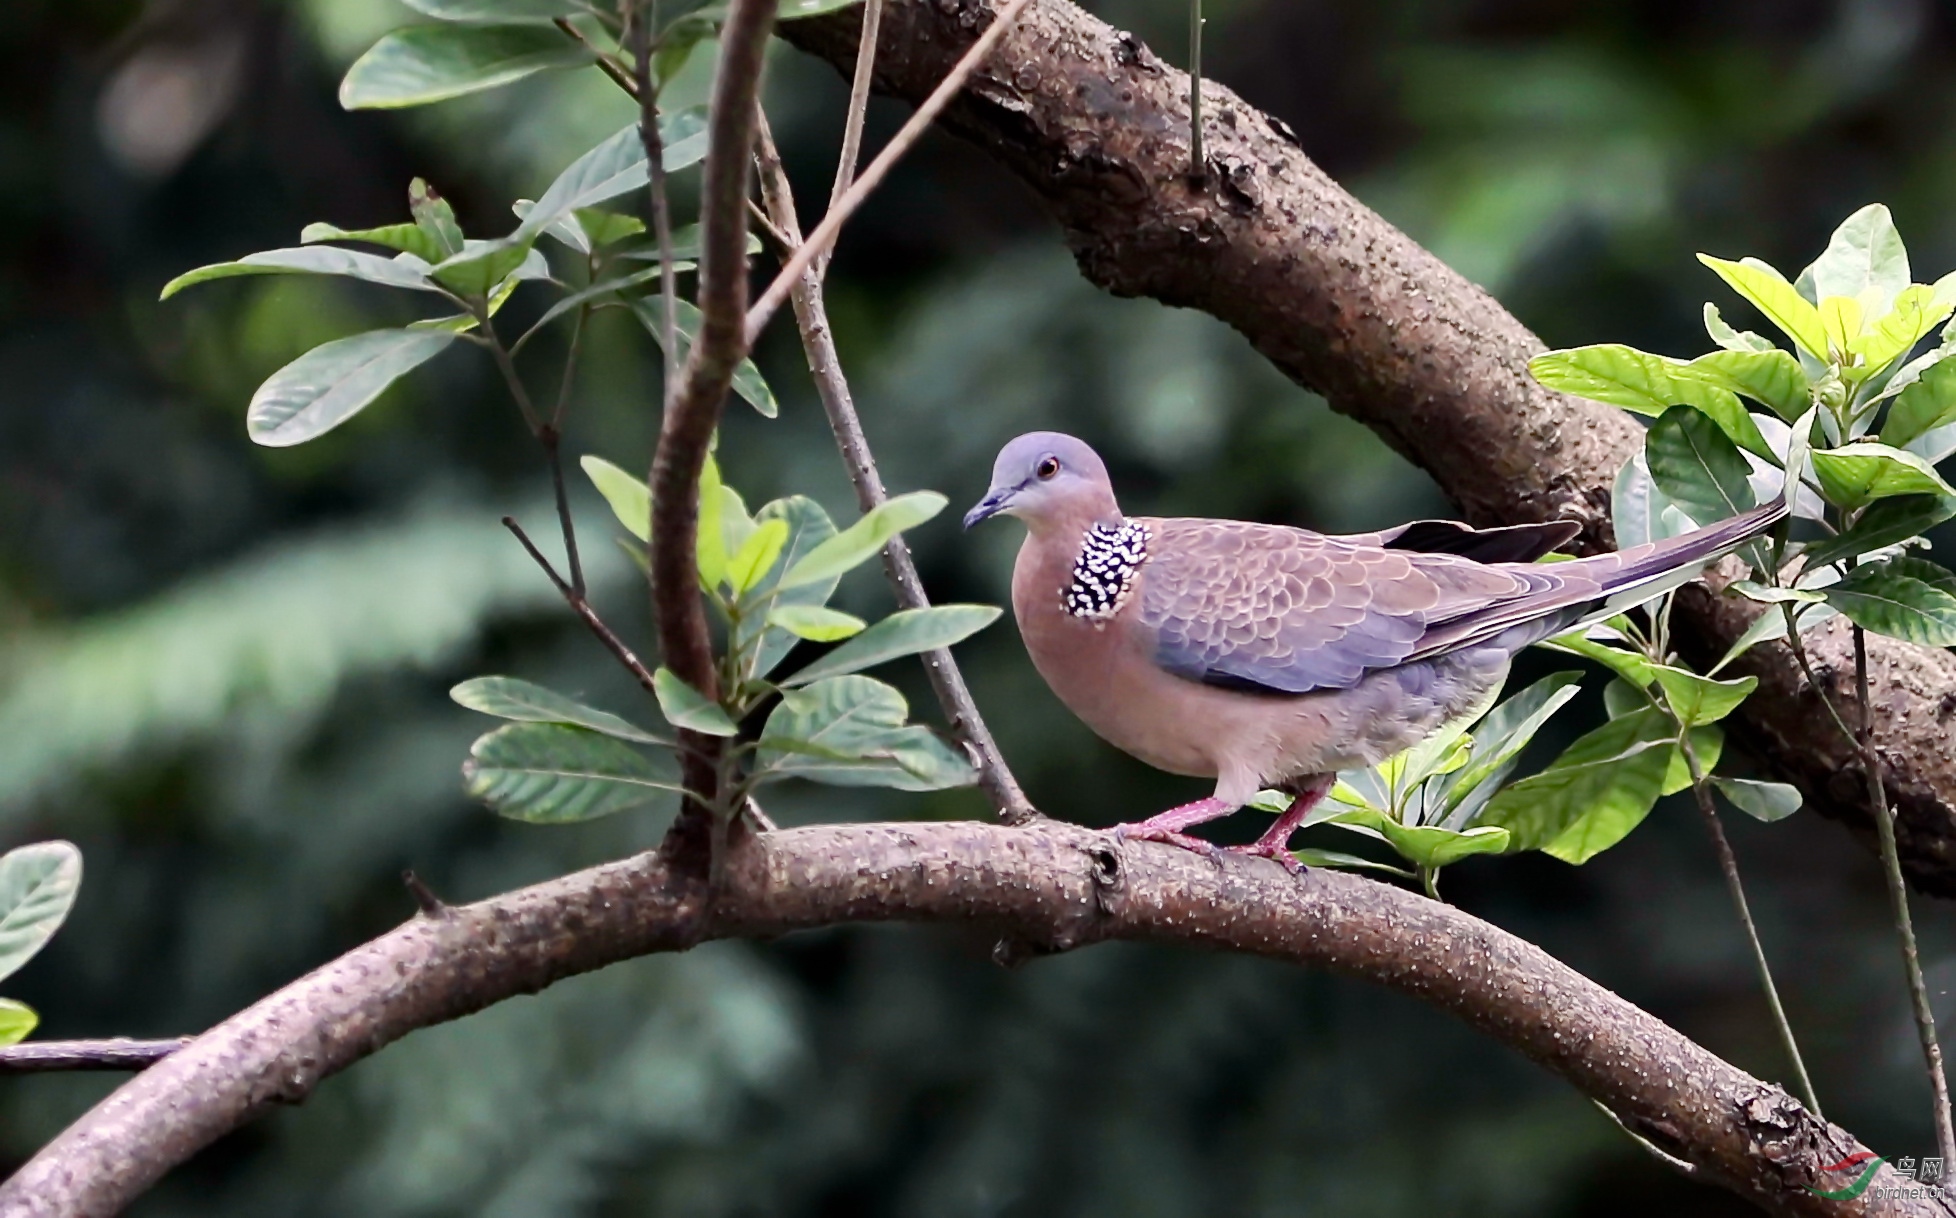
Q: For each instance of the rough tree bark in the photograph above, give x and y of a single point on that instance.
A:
(1098, 126)
(1044, 887)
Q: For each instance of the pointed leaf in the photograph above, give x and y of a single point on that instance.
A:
(17, 1020)
(37, 888)
(862, 540)
(850, 731)
(1884, 523)
(1697, 466)
(684, 706)
(815, 623)
(1637, 506)
(1431, 846)
(331, 383)
(1772, 378)
(435, 218)
(1865, 258)
(1629, 665)
(1599, 789)
(1927, 403)
(1346, 862)
(617, 167)
(310, 260)
(1904, 598)
(1892, 335)
(903, 633)
(756, 556)
(1769, 292)
(527, 702)
(482, 265)
(604, 228)
(1732, 340)
(1500, 737)
(407, 238)
(808, 527)
(1697, 700)
(1644, 383)
(747, 380)
(1857, 474)
(630, 501)
(1764, 801)
(549, 774)
(430, 63)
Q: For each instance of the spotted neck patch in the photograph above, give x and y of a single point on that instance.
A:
(1111, 556)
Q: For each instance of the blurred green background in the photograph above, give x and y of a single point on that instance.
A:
(223, 669)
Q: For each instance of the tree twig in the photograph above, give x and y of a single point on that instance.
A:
(1198, 163)
(545, 431)
(119, 1053)
(657, 203)
(818, 243)
(606, 64)
(854, 117)
(584, 611)
(818, 345)
(1050, 884)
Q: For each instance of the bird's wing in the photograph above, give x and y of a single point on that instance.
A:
(1507, 543)
(1256, 606)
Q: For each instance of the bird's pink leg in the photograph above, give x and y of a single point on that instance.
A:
(1275, 842)
(1167, 826)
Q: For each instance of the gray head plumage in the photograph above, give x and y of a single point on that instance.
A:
(1045, 474)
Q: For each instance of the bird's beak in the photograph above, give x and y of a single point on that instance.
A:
(989, 506)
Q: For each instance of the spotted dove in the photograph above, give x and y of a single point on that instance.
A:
(1266, 656)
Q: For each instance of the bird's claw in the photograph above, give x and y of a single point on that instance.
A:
(1276, 854)
(1142, 832)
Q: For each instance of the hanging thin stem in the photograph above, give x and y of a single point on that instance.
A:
(547, 435)
(1197, 161)
(658, 205)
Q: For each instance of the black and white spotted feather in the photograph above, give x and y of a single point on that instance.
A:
(1111, 557)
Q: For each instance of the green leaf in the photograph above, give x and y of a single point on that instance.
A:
(756, 556)
(1915, 313)
(528, 702)
(407, 238)
(685, 244)
(791, 9)
(311, 260)
(1857, 474)
(1498, 741)
(1766, 595)
(430, 63)
(1865, 259)
(808, 527)
(617, 167)
(1772, 378)
(540, 12)
(335, 381)
(1347, 862)
(747, 380)
(17, 1019)
(1637, 506)
(683, 706)
(1769, 292)
(604, 228)
(1926, 403)
(596, 292)
(815, 623)
(1709, 743)
(710, 535)
(1591, 796)
(905, 632)
(1621, 698)
(435, 218)
(482, 265)
(630, 501)
(1730, 339)
(850, 731)
(1697, 466)
(37, 888)
(1885, 522)
(1697, 700)
(1430, 845)
(1904, 598)
(1765, 801)
(1629, 665)
(862, 540)
(1639, 381)
(549, 774)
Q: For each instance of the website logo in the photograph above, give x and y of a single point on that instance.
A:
(1865, 1163)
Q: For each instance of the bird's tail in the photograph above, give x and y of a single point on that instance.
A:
(1572, 595)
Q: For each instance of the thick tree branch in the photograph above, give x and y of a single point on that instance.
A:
(1044, 887)
(1344, 303)
(693, 407)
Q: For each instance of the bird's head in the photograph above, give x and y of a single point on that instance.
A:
(1047, 479)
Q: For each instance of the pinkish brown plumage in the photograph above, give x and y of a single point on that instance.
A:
(1267, 656)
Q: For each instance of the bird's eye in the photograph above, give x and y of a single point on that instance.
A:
(1047, 467)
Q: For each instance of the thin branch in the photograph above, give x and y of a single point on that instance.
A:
(547, 436)
(1728, 863)
(120, 1053)
(853, 119)
(693, 407)
(657, 201)
(1891, 873)
(583, 609)
(819, 242)
(1049, 885)
(1198, 163)
(606, 64)
(818, 344)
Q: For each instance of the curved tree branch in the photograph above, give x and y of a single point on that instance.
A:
(693, 406)
(1044, 887)
(1345, 304)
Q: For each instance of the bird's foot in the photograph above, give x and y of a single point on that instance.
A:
(1276, 852)
(1167, 826)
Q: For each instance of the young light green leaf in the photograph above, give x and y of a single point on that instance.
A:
(407, 238)
(510, 12)
(1708, 742)
(1772, 378)
(1647, 384)
(1769, 292)
(1629, 665)
(816, 623)
(528, 702)
(1697, 700)
(1765, 595)
(1621, 698)
(862, 540)
(1498, 741)
(1926, 403)
(1599, 789)
(710, 536)
(685, 244)
(1637, 506)
(335, 381)
(1864, 258)
(1904, 598)
(808, 526)
(482, 265)
(1697, 466)
(850, 731)
(684, 706)
(311, 260)
(604, 228)
(1732, 340)
(37, 888)
(630, 501)
(435, 218)
(1429, 846)
(1915, 313)
(549, 774)
(1857, 474)
(1885, 522)
(756, 556)
(430, 63)
(747, 381)
(17, 1019)
(1765, 801)
(905, 632)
